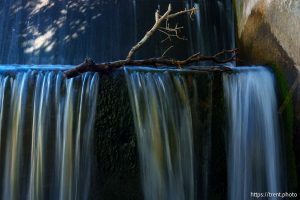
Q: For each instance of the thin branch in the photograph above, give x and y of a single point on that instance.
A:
(166, 51)
(158, 20)
(235, 51)
(190, 11)
(149, 33)
(171, 32)
(90, 66)
(170, 35)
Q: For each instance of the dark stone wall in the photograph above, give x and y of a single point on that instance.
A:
(116, 170)
(209, 137)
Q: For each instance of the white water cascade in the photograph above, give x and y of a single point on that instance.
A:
(254, 157)
(163, 121)
(46, 126)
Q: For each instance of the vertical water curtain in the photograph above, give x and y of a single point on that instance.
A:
(45, 149)
(163, 122)
(255, 161)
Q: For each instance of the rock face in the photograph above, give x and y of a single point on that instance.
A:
(269, 34)
(116, 172)
(280, 19)
(283, 17)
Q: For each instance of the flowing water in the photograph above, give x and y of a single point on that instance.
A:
(164, 118)
(163, 121)
(215, 27)
(46, 126)
(255, 162)
(67, 31)
(46, 121)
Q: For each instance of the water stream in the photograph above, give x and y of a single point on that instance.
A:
(255, 161)
(46, 121)
(66, 32)
(164, 125)
(163, 121)
(45, 132)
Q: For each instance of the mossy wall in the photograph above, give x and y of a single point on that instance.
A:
(116, 170)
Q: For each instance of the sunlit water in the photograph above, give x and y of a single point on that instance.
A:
(254, 158)
(46, 125)
(163, 122)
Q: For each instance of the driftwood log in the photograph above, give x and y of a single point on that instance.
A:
(170, 32)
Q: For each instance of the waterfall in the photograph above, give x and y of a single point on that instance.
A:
(46, 126)
(40, 31)
(163, 121)
(215, 27)
(254, 155)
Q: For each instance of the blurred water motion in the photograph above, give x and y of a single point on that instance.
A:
(255, 156)
(46, 126)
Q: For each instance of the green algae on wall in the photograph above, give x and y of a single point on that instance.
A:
(287, 125)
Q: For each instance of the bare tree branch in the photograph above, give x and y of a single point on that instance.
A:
(149, 33)
(166, 51)
(170, 32)
(188, 11)
(90, 66)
